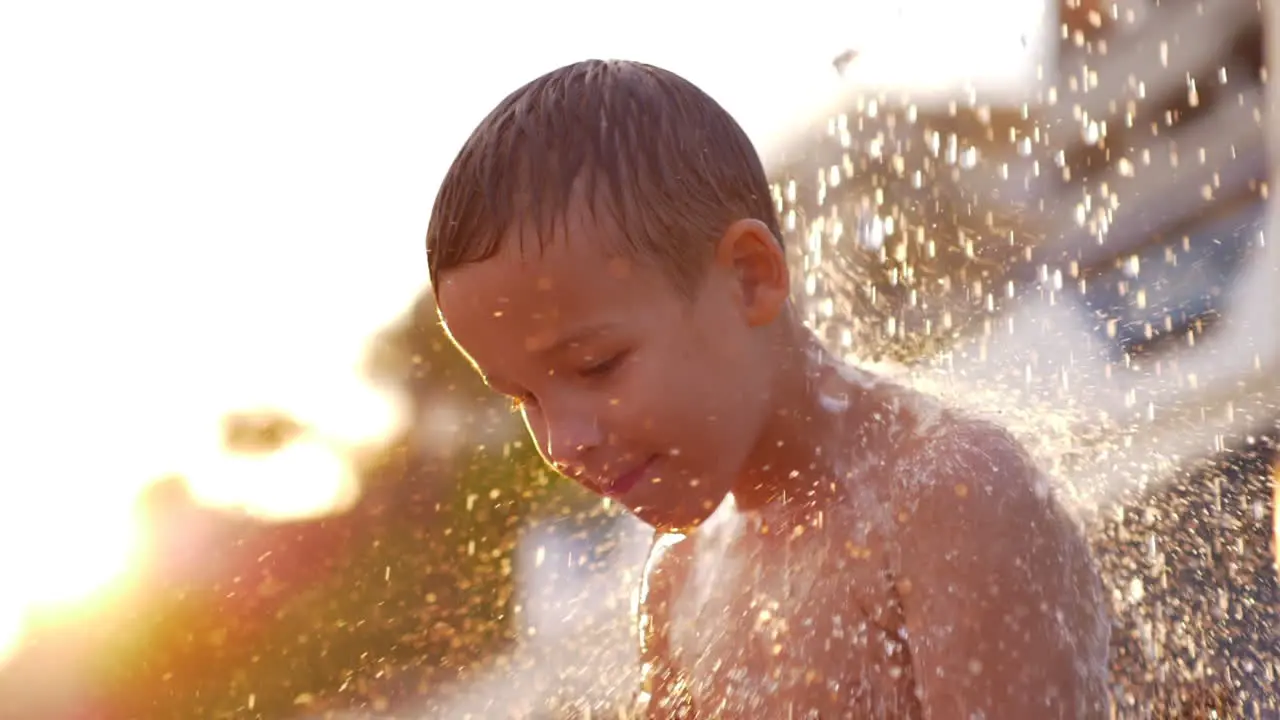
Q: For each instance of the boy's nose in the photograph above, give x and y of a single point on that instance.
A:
(570, 441)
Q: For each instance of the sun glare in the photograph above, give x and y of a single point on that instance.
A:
(69, 530)
(305, 479)
(60, 547)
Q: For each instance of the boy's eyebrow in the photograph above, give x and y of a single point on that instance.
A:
(559, 344)
(551, 347)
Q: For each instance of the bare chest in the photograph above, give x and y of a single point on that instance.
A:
(804, 626)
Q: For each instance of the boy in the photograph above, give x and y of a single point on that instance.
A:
(606, 252)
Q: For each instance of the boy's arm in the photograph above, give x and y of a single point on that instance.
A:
(664, 694)
(1004, 610)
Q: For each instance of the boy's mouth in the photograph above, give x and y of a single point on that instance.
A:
(622, 484)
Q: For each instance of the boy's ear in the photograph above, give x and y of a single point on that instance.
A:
(756, 261)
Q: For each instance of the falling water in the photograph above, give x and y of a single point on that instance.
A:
(1016, 263)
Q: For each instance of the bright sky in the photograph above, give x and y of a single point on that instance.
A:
(211, 207)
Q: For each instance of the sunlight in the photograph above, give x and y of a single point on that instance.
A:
(12, 618)
(70, 530)
(304, 480)
(59, 546)
(72, 565)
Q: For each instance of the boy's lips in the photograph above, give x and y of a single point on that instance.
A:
(621, 484)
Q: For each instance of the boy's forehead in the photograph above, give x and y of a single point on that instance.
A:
(540, 293)
(533, 272)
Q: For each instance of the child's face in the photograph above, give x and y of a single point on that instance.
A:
(628, 387)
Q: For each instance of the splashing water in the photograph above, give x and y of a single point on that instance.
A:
(1128, 347)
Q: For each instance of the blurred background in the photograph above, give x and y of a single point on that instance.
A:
(246, 477)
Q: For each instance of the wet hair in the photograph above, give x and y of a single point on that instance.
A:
(666, 163)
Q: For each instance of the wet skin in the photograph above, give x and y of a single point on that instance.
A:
(939, 580)
(850, 549)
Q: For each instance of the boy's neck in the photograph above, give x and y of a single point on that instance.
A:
(816, 406)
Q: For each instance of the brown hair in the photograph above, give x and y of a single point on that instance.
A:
(668, 163)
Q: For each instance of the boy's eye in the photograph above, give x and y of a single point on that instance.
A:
(601, 369)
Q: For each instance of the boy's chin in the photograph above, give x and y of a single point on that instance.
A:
(676, 517)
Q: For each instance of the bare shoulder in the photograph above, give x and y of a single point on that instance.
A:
(973, 475)
(970, 483)
(1000, 588)
(955, 446)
